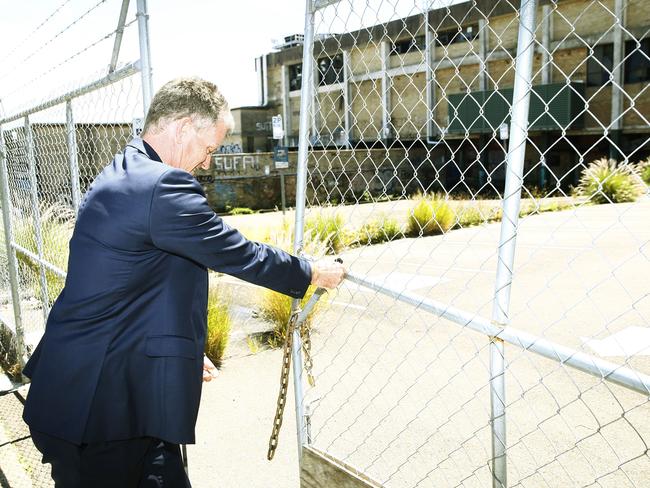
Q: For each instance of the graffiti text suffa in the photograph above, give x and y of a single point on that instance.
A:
(235, 162)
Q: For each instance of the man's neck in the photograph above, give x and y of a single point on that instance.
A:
(160, 145)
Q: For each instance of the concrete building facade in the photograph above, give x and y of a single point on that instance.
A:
(438, 85)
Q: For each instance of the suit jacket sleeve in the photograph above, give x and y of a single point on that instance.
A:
(181, 222)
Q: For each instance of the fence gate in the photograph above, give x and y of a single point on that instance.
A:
(494, 328)
(51, 148)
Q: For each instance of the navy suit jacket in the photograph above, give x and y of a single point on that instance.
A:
(122, 352)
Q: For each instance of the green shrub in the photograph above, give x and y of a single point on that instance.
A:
(57, 224)
(605, 181)
(219, 325)
(327, 226)
(382, 230)
(430, 216)
(241, 211)
(644, 171)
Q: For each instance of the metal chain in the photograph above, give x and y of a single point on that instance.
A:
(284, 384)
(298, 319)
(306, 347)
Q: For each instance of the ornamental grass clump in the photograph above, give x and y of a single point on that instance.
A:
(384, 229)
(430, 216)
(606, 181)
(276, 307)
(477, 213)
(219, 325)
(241, 211)
(644, 170)
(326, 226)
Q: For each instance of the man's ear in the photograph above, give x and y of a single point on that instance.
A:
(183, 126)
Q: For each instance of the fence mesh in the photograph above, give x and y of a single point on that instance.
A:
(409, 137)
(69, 98)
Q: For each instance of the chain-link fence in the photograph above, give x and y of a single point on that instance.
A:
(89, 104)
(494, 326)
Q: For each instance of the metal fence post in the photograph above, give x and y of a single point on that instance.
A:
(72, 156)
(507, 240)
(38, 235)
(145, 54)
(12, 262)
(306, 92)
(347, 100)
(616, 119)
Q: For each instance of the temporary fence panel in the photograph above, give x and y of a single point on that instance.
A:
(494, 326)
(68, 103)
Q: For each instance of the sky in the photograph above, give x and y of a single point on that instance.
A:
(215, 39)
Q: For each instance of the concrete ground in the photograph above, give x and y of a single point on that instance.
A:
(404, 396)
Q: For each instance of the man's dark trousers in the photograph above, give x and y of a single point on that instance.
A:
(144, 462)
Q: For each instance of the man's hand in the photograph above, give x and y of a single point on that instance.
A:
(209, 369)
(327, 273)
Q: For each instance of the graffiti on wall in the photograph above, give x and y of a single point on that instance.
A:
(230, 149)
(236, 163)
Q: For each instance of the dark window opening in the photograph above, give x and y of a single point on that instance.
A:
(330, 70)
(408, 45)
(295, 77)
(599, 65)
(637, 61)
(461, 34)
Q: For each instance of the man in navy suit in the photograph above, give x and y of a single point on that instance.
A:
(116, 379)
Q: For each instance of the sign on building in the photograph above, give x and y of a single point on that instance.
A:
(281, 157)
(278, 131)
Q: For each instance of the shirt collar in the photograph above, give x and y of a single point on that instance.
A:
(145, 148)
(150, 152)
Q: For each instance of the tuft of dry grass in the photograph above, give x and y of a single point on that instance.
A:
(477, 213)
(430, 216)
(326, 225)
(219, 325)
(276, 308)
(383, 229)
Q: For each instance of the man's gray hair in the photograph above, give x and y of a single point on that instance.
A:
(187, 97)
